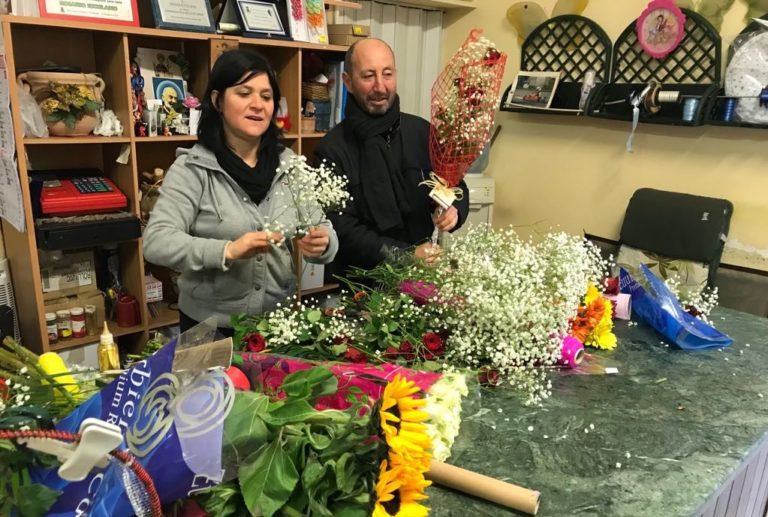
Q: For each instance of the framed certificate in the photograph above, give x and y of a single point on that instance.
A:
(120, 12)
(186, 15)
(260, 18)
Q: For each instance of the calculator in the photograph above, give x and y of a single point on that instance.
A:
(77, 196)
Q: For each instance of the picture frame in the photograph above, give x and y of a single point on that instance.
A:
(117, 12)
(186, 15)
(262, 18)
(533, 90)
(660, 28)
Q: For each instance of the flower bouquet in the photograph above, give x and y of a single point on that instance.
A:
(494, 303)
(465, 97)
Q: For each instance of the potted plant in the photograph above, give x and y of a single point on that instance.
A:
(71, 109)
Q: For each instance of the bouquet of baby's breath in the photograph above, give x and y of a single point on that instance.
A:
(513, 300)
(313, 192)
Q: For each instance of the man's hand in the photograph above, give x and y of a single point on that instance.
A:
(250, 244)
(427, 252)
(314, 243)
(447, 219)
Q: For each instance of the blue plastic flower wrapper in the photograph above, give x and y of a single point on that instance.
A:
(171, 410)
(661, 310)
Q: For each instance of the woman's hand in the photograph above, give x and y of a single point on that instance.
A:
(314, 243)
(251, 244)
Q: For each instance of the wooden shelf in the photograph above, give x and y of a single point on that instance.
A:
(165, 318)
(343, 3)
(266, 42)
(67, 140)
(87, 340)
(441, 4)
(316, 134)
(161, 139)
(291, 136)
(319, 290)
(106, 27)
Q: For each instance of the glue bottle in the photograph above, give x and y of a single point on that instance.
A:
(109, 357)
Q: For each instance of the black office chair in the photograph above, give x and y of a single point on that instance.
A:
(675, 233)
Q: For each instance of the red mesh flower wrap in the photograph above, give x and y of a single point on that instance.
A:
(465, 97)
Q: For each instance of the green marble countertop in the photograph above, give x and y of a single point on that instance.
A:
(663, 434)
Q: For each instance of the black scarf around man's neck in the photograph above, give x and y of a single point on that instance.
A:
(383, 183)
(255, 182)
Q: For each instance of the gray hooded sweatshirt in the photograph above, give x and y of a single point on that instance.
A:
(199, 210)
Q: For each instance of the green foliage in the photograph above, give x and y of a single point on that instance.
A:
(294, 460)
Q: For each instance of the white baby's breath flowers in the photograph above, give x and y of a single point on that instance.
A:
(313, 191)
(514, 299)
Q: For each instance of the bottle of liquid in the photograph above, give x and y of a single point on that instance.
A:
(109, 357)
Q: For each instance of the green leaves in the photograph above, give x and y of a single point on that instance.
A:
(268, 480)
(313, 383)
(295, 460)
(34, 500)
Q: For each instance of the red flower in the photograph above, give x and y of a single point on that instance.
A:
(328, 311)
(407, 351)
(355, 356)
(3, 389)
(488, 376)
(358, 296)
(391, 353)
(611, 285)
(432, 341)
(255, 342)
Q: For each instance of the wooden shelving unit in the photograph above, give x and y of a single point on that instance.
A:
(107, 50)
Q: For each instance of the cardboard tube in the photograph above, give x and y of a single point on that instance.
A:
(490, 489)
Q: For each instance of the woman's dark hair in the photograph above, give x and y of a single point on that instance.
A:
(236, 67)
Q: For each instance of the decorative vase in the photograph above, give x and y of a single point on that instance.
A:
(83, 127)
(38, 84)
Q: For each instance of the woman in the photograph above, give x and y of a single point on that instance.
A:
(219, 197)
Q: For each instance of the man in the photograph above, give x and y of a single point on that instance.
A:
(169, 97)
(385, 155)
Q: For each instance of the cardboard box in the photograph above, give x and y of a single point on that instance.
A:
(153, 288)
(347, 33)
(312, 276)
(81, 300)
(71, 273)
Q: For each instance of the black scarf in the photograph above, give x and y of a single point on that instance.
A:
(383, 184)
(256, 183)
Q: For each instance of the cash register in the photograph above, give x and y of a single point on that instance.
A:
(83, 195)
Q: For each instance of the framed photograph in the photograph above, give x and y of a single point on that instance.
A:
(186, 15)
(120, 12)
(660, 28)
(533, 89)
(154, 64)
(262, 19)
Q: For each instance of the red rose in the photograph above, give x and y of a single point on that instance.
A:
(355, 356)
(391, 353)
(432, 341)
(255, 342)
(3, 389)
(611, 285)
(407, 351)
(488, 376)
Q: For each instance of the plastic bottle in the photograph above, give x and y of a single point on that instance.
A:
(109, 357)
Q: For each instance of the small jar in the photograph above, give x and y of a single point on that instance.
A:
(78, 321)
(91, 321)
(52, 327)
(64, 323)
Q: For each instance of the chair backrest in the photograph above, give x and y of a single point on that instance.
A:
(678, 226)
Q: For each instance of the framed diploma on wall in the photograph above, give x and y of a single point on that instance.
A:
(120, 12)
(263, 18)
(185, 15)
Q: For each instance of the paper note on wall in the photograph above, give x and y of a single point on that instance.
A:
(11, 204)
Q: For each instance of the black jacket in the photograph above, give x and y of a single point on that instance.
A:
(360, 242)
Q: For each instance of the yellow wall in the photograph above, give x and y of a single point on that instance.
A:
(574, 173)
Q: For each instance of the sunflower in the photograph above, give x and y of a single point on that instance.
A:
(401, 481)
